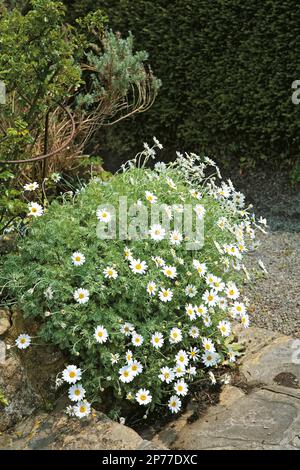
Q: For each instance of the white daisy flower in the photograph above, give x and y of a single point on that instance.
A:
(191, 371)
(136, 367)
(151, 288)
(210, 298)
(190, 311)
(157, 232)
(182, 358)
(200, 310)
(126, 374)
(165, 295)
(170, 183)
(35, 209)
(31, 186)
(194, 332)
(175, 237)
(127, 329)
(210, 359)
(159, 262)
(157, 340)
(71, 374)
(81, 296)
(23, 341)
(137, 340)
(207, 320)
(127, 253)
(150, 197)
(170, 271)
(194, 193)
(231, 355)
(129, 356)
(175, 335)
(103, 215)
(210, 279)
(166, 375)
(218, 285)
(238, 309)
(78, 258)
(232, 291)
(114, 358)
(222, 223)
(137, 266)
(200, 267)
(76, 392)
(82, 409)
(174, 404)
(143, 397)
(181, 388)
(212, 378)
(224, 327)
(245, 320)
(110, 273)
(200, 211)
(208, 345)
(101, 334)
(191, 291)
(193, 353)
(56, 177)
(179, 370)
(223, 304)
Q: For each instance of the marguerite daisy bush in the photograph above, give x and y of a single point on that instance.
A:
(141, 318)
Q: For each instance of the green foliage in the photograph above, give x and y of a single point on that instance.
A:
(48, 66)
(43, 262)
(226, 66)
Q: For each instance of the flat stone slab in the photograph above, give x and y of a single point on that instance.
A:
(266, 417)
(56, 431)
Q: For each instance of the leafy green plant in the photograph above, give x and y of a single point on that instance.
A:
(105, 300)
(62, 84)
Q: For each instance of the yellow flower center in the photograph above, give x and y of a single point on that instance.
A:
(72, 374)
(143, 397)
(210, 298)
(33, 209)
(81, 295)
(180, 388)
(138, 266)
(165, 293)
(77, 392)
(100, 334)
(77, 258)
(82, 409)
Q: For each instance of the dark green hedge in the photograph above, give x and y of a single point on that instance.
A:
(227, 67)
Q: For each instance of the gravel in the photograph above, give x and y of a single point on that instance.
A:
(276, 297)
